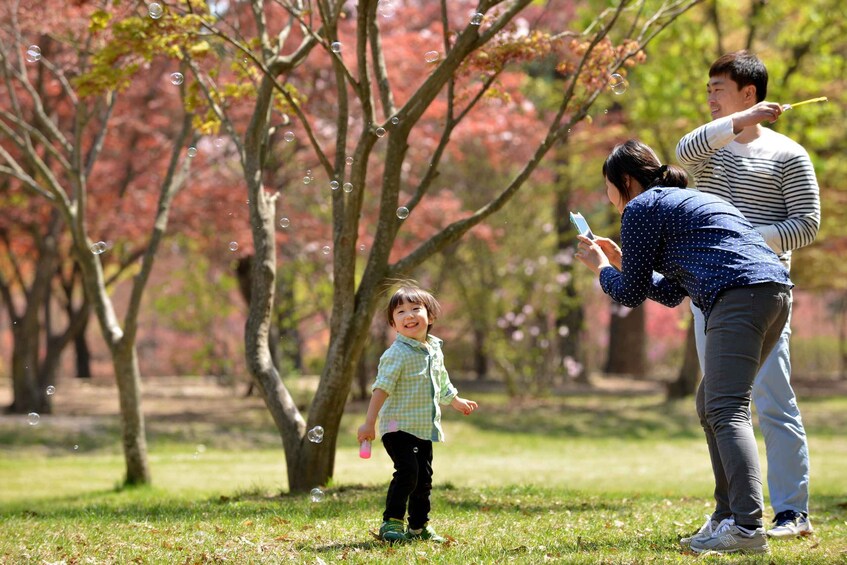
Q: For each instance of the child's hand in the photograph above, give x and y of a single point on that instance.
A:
(366, 432)
(464, 406)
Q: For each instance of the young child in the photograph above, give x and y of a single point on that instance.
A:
(410, 385)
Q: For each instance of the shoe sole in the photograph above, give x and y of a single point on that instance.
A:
(764, 549)
(802, 534)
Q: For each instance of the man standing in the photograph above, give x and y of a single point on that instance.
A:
(770, 179)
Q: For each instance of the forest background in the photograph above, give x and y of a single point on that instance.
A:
(139, 163)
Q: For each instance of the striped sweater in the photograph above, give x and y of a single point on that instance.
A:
(770, 180)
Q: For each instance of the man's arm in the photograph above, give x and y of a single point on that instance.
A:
(801, 195)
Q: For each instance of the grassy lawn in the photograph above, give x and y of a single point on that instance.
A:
(570, 479)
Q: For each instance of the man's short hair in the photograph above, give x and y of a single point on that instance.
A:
(744, 69)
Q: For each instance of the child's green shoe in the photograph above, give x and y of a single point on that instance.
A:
(392, 531)
(425, 533)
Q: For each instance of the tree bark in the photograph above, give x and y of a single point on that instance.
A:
(689, 374)
(627, 354)
(125, 362)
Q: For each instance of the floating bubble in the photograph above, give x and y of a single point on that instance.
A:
(33, 418)
(51, 390)
(431, 56)
(316, 495)
(477, 18)
(288, 136)
(618, 83)
(76, 447)
(402, 212)
(414, 450)
(380, 132)
(200, 448)
(284, 222)
(325, 250)
(154, 10)
(349, 160)
(395, 120)
(362, 248)
(233, 246)
(307, 179)
(177, 79)
(192, 151)
(219, 142)
(33, 54)
(336, 47)
(348, 187)
(98, 248)
(333, 184)
(316, 434)
(386, 9)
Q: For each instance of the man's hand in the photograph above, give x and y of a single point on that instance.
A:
(762, 112)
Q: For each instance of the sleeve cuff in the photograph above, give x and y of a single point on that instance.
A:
(772, 238)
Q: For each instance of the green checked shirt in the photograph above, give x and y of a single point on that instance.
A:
(413, 375)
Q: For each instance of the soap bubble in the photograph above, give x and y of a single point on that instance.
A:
(33, 418)
(477, 18)
(336, 47)
(233, 246)
(349, 161)
(395, 120)
(284, 222)
(316, 495)
(431, 56)
(402, 212)
(348, 187)
(414, 450)
(33, 54)
(386, 9)
(380, 132)
(177, 79)
(325, 250)
(192, 151)
(333, 184)
(618, 84)
(316, 434)
(288, 136)
(98, 248)
(51, 390)
(219, 142)
(307, 179)
(154, 10)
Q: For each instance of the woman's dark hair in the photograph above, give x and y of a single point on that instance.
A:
(635, 159)
(413, 295)
(744, 69)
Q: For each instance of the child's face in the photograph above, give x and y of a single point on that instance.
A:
(411, 320)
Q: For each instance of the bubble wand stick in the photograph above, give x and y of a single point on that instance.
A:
(809, 101)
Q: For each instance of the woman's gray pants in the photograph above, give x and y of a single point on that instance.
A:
(743, 326)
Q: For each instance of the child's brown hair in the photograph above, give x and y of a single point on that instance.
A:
(413, 295)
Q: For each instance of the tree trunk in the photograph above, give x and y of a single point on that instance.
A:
(480, 357)
(125, 362)
(689, 374)
(25, 397)
(627, 354)
(83, 354)
(570, 316)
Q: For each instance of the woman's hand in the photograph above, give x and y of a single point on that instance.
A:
(591, 254)
(610, 249)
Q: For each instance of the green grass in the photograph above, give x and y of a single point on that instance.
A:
(587, 479)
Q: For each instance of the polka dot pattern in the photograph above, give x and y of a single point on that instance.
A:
(678, 242)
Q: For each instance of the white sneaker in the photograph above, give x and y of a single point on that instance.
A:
(705, 531)
(790, 524)
(729, 538)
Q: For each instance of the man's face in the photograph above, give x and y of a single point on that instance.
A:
(725, 97)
